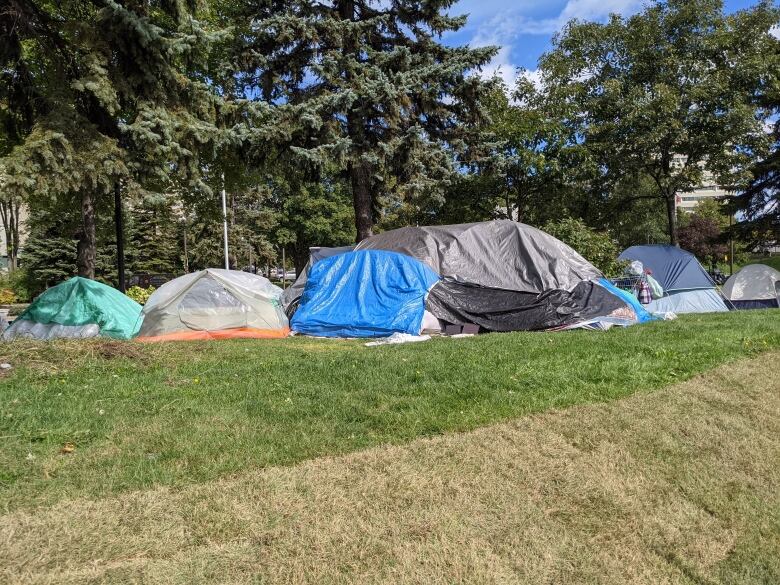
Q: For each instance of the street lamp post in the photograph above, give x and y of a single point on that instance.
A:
(224, 223)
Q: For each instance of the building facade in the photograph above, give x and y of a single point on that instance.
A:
(708, 189)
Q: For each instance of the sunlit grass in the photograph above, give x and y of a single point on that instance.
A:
(174, 414)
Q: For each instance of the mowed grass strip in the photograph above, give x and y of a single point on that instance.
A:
(146, 415)
(676, 486)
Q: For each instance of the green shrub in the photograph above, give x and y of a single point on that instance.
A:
(140, 295)
(7, 296)
(598, 248)
(18, 283)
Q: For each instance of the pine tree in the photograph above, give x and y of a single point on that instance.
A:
(49, 255)
(154, 236)
(121, 94)
(366, 86)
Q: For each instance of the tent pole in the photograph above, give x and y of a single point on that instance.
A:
(224, 223)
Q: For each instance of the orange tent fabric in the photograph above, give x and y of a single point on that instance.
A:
(238, 333)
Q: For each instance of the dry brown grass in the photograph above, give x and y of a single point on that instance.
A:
(60, 355)
(678, 486)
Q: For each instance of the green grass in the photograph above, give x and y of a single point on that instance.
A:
(189, 412)
(773, 261)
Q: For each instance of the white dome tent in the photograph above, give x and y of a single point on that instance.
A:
(214, 304)
(755, 286)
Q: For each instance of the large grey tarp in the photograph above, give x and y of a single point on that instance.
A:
(501, 275)
(499, 254)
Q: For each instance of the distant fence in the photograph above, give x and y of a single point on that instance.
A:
(145, 280)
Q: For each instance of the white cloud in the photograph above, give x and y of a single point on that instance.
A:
(775, 31)
(507, 25)
(534, 76)
(502, 67)
(596, 9)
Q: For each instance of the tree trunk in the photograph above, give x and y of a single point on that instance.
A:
(671, 215)
(87, 246)
(4, 214)
(9, 213)
(301, 252)
(360, 177)
(359, 171)
(16, 207)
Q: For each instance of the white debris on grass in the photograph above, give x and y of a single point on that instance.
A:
(667, 316)
(398, 338)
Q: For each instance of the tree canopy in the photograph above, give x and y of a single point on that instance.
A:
(367, 88)
(669, 93)
(327, 120)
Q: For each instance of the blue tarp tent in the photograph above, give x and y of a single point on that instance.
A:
(370, 293)
(687, 286)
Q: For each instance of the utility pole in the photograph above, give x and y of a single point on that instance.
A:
(224, 223)
(120, 240)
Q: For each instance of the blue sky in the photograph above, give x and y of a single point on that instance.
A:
(523, 28)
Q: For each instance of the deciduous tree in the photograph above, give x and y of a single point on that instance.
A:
(667, 93)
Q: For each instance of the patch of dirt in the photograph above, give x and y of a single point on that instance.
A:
(110, 349)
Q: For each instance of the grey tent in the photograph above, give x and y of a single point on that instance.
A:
(293, 293)
(756, 286)
(687, 286)
(506, 276)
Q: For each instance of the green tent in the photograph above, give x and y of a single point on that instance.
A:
(78, 307)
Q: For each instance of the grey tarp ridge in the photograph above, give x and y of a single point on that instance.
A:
(501, 254)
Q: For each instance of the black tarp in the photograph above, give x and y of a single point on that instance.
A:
(505, 310)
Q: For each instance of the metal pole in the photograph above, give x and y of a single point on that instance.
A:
(186, 256)
(284, 271)
(120, 240)
(224, 223)
(731, 246)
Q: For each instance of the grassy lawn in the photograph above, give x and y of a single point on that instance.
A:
(773, 261)
(677, 486)
(177, 414)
